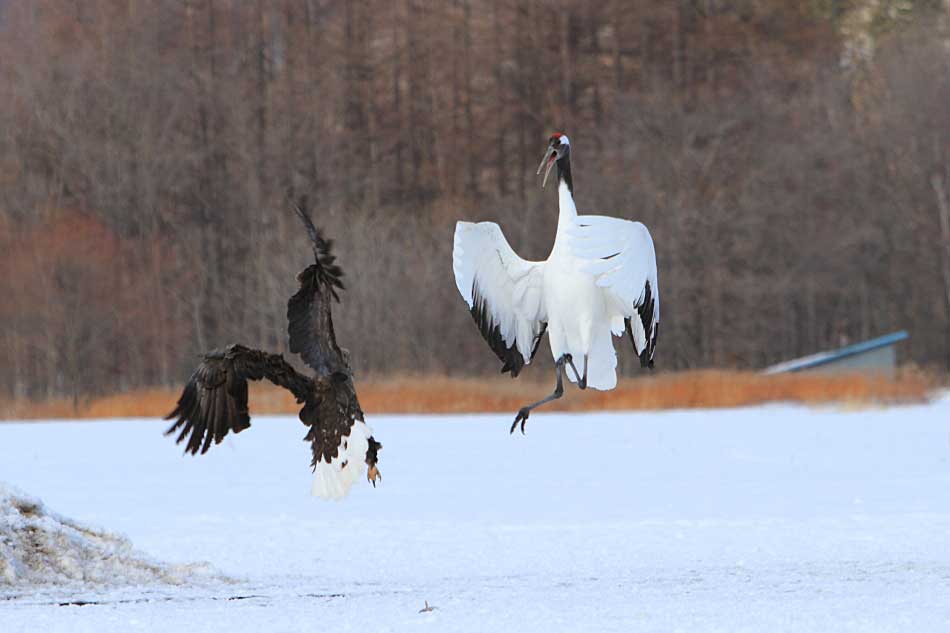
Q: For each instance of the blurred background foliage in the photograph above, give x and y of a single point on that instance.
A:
(792, 160)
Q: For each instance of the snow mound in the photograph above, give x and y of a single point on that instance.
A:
(40, 547)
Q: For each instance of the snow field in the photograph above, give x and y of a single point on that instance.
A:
(776, 518)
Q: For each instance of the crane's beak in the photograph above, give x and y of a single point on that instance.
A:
(550, 157)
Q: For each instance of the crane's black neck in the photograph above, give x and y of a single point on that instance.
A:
(564, 172)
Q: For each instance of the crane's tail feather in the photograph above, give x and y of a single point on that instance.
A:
(601, 363)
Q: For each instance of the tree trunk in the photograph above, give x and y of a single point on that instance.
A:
(943, 211)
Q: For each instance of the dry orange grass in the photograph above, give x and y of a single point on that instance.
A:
(432, 394)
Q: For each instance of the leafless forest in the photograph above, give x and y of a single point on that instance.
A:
(792, 160)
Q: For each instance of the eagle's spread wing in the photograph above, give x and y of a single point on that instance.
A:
(214, 401)
(622, 259)
(502, 291)
(308, 312)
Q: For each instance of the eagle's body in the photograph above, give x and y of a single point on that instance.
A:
(214, 401)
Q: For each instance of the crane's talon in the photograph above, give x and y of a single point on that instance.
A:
(522, 417)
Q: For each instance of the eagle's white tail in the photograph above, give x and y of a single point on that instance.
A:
(333, 480)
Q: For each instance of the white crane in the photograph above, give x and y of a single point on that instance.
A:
(599, 280)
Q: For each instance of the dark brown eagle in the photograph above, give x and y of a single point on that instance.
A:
(214, 401)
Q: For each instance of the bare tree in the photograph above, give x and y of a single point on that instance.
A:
(149, 150)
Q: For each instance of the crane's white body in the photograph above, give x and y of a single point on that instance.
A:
(591, 282)
(578, 313)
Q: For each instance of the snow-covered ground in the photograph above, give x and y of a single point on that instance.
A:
(775, 518)
(40, 547)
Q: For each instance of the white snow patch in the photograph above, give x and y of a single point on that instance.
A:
(39, 547)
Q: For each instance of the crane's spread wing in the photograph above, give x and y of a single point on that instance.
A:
(502, 290)
(621, 257)
(310, 323)
(214, 401)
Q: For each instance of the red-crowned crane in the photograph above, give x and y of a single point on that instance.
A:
(599, 280)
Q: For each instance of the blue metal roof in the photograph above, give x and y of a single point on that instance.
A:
(821, 358)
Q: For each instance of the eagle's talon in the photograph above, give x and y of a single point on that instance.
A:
(373, 475)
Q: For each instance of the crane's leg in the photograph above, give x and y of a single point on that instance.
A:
(581, 380)
(524, 412)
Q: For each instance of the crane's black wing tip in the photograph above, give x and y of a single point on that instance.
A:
(645, 361)
(511, 359)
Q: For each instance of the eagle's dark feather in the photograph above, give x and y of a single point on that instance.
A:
(214, 401)
(337, 407)
(308, 311)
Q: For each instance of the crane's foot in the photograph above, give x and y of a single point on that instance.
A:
(373, 475)
(522, 417)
